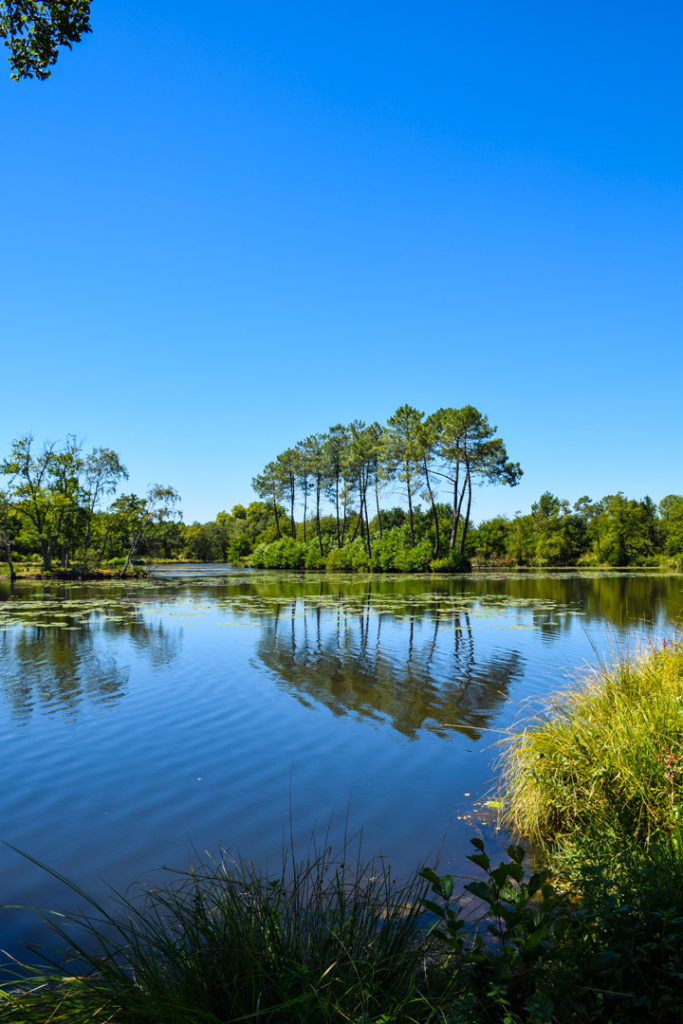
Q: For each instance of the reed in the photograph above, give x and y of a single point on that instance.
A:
(603, 759)
(331, 938)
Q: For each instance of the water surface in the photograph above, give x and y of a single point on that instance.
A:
(213, 708)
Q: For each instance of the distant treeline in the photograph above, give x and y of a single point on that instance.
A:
(321, 507)
(614, 531)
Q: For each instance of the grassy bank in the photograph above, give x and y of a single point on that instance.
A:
(605, 757)
(593, 933)
(596, 785)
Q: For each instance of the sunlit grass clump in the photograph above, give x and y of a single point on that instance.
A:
(605, 759)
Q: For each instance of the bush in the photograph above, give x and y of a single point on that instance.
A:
(313, 559)
(454, 562)
(285, 553)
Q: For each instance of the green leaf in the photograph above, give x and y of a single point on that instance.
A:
(434, 907)
(516, 871)
(481, 860)
(516, 853)
(446, 886)
(429, 876)
(480, 889)
(500, 874)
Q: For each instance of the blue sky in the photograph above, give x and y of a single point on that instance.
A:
(226, 230)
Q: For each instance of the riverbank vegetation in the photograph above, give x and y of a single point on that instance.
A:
(53, 507)
(592, 931)
(322, 505)
(606, 757)
(596, 784)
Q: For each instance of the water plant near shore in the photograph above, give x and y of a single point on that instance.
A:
(606, 757)
(331, 938)
(342, 941)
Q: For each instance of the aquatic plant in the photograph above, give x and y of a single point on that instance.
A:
(604, 757)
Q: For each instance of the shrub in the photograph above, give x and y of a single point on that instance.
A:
(453, 562)
(285, 553)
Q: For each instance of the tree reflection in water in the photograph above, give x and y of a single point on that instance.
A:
(419, 674)
(61, 664)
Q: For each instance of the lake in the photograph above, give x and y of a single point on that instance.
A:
(205, 708)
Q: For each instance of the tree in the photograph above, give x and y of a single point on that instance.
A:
(491, 538)
(336, 444)
(57, 493)
(671, 516)
(132, 514)
(270, 485)
(550, 516)
(403, 453)
(43, 487)
(287, 466)
(313, 464)
(102, 470)
(361, 462)
(10, 526)
(470, 451)
(427, 437)
(34, 31)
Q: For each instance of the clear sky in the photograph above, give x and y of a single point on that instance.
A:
(227, 226)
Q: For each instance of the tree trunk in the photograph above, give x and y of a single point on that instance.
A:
(367, 522)
(379, 514)
(129, 557)
(292, 493)
(318, 484)
(454, 519)
(277, 518)
(103, 549)
(410, 509)
(305, 506)
(467, 513)
(8, 558)
(359, 522)
(336, 507)
(434, 512)
(46, 553)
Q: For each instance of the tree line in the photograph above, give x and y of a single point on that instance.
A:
(54, 504)
(615, 530)
(322, 504)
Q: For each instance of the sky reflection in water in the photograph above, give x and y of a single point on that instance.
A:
(139, 719)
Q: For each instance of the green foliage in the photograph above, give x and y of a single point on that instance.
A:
(491, 539)
(349, 466)
(55, 505)
(338, 939)
(508, 961)
(615, 531)
(285, 553)
(57, 495)
(329, 939)
(34, 31)
(454, 562)
(671, 523)
(606, 756)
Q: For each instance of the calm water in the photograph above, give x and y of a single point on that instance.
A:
(141, 720)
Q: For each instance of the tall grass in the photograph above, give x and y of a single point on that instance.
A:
(605, 758)
(330, 939)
